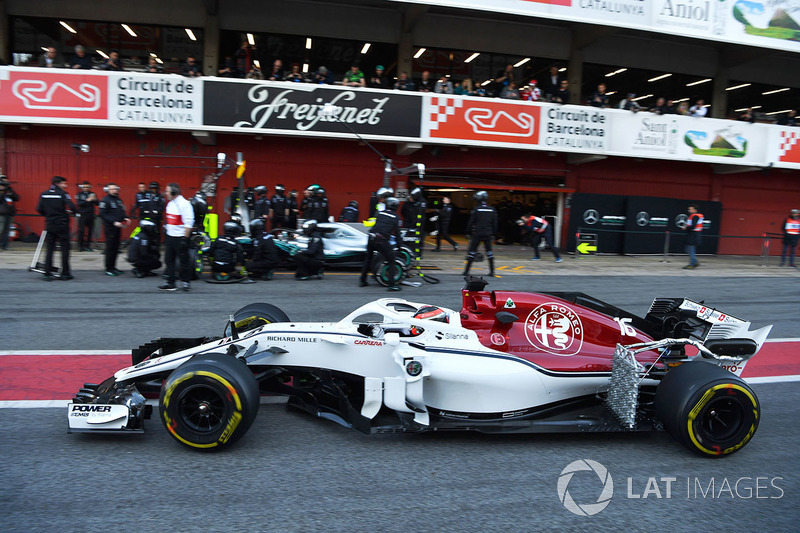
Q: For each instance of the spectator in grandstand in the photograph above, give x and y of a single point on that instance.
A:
(599, 97)
(276, 74)
(354, 77)
(503, 79)
(444, 86)
(747, 115)
(699, 109)
(190, 68)
(255, 73)
(50, 58)
(243, 60)
(323, 76)
(788, 119)
(295, 75)
(426, 83)
(561, 96)
(510, 92)
(466, 87)
(113, 62)
(682, 108)
(404, 83)
(629, 103)
(660, 107)
(153, 66)
(227, 69)
(80, 60)
(378, 79)
(551, 84)
(531, 93)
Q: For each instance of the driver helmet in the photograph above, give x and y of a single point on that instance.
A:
(392, 203)
(430, 312)
(280, 189)
(261, 190)
(385, 192)
(257, 227)
(481, 196)
(309, 226)
(231, 228)
(416, 194)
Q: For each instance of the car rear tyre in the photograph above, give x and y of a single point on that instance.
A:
(707, 408)
(255, 315)
(209, 402)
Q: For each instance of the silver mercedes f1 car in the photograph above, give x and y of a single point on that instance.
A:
(505, 362)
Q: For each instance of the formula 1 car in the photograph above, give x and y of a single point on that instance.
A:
(506, 362)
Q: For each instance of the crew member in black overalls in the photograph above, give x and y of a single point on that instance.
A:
(311, 260)
(141, 199)
(349, 212)
(279, 207)
(318, 206)
(153, 209)
(226, 253)
(482, 227)
(444, 216)
(56, 206)
(384, 237)
(265, 256)
(261, 208)
(112, 212)
(87, 201)
(293, 209)
(143, 253)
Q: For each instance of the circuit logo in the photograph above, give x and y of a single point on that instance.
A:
(585, 509)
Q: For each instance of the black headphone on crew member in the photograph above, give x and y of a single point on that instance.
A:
(392, 203)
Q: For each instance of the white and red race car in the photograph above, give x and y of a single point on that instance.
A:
(506, 362)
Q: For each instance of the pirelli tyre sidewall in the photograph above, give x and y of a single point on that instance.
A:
(209, 402)
(382, 273)
(406, 256)
(707, 408)
(256, 315)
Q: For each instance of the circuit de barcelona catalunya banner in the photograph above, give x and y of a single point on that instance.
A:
(155, 101)
(768, 23)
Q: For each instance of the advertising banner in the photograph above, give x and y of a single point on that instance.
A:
(30, 93)
(575, 129)
(148, 100)
(784, 147)
(480, 120)
(767, 23)
(648, 219)
(599, 214)
(296, 107)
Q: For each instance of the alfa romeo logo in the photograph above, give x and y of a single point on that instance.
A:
(642, 218)
(554, 328)
(591, 216)
(681, 220)
(585, 509)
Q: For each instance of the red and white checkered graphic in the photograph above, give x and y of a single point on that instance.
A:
(789, 148)
(443, 107)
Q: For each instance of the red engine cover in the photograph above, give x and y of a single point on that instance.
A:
(550, 332)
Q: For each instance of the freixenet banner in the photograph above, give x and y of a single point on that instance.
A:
(296, 107)
(766, 23)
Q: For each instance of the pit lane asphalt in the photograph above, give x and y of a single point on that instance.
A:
(292, 472)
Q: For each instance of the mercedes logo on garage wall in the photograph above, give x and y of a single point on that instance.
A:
(642, 218)
(680, 221)
(591, 216)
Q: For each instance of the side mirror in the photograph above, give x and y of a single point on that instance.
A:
(504, 317)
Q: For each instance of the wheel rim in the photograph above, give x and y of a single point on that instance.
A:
(202, 409)
(722, 418)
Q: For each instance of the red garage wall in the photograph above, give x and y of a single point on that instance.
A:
(753, 203)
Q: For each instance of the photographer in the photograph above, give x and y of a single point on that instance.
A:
(7, 210)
